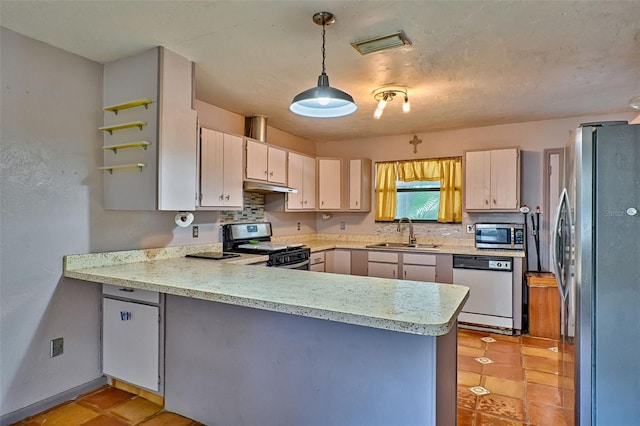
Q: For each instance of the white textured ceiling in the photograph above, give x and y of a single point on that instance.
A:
(472, 63)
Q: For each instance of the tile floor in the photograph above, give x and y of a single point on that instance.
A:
(107, 406)
(517, 379)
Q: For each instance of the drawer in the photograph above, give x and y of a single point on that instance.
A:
(318, 267)
(317, 257)
(419, 259)
(383, 256)
(131, 293)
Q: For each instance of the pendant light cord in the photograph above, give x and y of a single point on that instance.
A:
(323, 50)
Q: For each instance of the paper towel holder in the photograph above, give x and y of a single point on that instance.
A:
(183, 219)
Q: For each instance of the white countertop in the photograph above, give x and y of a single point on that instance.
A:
(398, 305)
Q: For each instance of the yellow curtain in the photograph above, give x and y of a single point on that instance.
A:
(386, 177)
(447, 170)
(409, 171)
(450, 190)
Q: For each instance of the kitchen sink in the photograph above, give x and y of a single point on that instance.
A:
(405, 246)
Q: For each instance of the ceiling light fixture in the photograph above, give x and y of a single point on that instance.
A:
(386, 95)
(323, 101)
(635, 103)
(382, 43)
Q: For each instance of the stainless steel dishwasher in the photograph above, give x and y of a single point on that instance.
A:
(490, 279)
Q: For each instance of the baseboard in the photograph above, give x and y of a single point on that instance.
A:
(148, 395)
(45, 404)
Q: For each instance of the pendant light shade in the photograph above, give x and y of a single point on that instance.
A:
(323, 101)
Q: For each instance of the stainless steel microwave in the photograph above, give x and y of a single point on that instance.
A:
(508, 236)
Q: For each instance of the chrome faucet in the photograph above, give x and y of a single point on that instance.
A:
(412, 237)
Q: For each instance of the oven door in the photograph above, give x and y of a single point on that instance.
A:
(304, 265)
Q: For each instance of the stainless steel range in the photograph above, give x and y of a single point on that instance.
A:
(255, 238)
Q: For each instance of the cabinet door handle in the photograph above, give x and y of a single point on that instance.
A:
(266, 173)
(405, 275)
(271, 174)
(221, 197)
(394, 273)
(227, 197)
(305, 202)
(486, 202)
(125, 316)
(494, 201)
(128, 290)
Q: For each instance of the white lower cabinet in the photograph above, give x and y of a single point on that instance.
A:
(131, 349)
(338, 261)
(317, 261)
(419, 267)
(407, 266)
(383, 264)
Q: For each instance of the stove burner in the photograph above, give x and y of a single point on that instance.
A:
(255, 238)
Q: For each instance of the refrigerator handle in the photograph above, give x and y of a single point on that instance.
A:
(557, 247)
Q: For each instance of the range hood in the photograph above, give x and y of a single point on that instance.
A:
(267, 188)
(256, 128)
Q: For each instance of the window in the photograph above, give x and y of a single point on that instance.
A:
(427, 190)
(418, 200)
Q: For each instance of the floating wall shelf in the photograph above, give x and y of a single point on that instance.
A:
(110, 169)
(139, 102)
(110, 129)
(115, 148)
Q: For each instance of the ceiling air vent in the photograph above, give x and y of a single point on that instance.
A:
(382, 43)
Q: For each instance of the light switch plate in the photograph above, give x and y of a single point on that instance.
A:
(471, 229)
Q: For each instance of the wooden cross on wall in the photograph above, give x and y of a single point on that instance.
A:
(415, 141)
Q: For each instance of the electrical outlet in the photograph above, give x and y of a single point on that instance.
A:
(194, 231)
(471, 229)
(298, 226)
(342, 226)
(57, 347)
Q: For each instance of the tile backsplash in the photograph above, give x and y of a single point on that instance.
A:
(432, 230)
(253, 210)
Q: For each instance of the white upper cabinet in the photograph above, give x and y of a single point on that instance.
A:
(360, 185)
(220, 170)
(266, 162)
(505, 179)
(329, 183)
(277, 162)
(302, 176)
(150, 133)
(492, 180)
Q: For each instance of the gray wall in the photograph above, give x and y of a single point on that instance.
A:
(51, 205)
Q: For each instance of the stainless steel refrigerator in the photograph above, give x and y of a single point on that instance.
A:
(597, 265)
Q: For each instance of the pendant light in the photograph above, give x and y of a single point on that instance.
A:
(323, 101)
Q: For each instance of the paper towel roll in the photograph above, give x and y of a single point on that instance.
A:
(184, 219)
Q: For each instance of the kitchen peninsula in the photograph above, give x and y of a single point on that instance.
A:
(252, 345)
